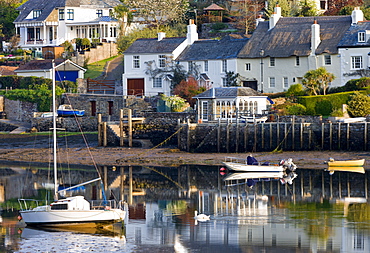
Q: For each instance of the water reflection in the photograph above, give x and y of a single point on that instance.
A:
(317, 212)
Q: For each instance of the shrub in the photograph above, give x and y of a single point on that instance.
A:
(295, 90)
(337, 113)
(296, 109)
(324, 107)
(358, 105)
(218, 26)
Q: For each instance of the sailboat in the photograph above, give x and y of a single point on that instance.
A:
(72, 210)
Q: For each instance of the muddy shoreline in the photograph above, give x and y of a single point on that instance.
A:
(35, 149)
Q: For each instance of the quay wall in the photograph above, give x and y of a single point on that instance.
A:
(273, 136)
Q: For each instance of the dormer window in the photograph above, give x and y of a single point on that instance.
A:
(361, 37)
(36, 13)
(61, 14)
(99, 13)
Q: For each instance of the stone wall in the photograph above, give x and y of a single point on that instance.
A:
(104, 51)
(88, 124)
(19, 110)
(6, 127)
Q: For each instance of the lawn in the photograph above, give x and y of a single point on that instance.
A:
(96, 68)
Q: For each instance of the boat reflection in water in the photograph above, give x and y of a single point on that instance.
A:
(346, 169)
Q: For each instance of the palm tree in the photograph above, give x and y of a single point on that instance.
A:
(317, 80)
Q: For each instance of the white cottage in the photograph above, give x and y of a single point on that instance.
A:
(50, 23)
(227, 103)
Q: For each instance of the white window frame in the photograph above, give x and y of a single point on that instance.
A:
(248, 67)
(36, 13)
(162, 61)
(99, 13)
(136, 62)
(224, 66)
(357, 62)
(61, 14)
(70, 14)
(272, 82)
(272, 61)
(297, 61)
(327, 59)
(204, 110)
(157, 82)
(205, 66)
(285, 82)
(361, 37)
(224, 82)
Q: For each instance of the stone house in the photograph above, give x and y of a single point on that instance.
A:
(228, 103)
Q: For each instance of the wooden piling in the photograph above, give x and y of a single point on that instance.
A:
(129, 122)
(322, 135)
(228, 137)
(218, 136)
(237, 136)
(365, 136)
(121, 137)
(105, 139)
(100, 133)
(348, 130)
(339, 134)
(330, 135)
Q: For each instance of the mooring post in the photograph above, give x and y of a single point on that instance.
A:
(339, 134)
(365, 136)
(293, 131)
(130, 186)
(237, 136)
(227, 136)
(188, 135)
(105, 140)
(121, 139)
(322, 135)
(330, 135)
(129, 122)
(218, 135)
(263, 135)
(348, 130)
(122, 184)
(100, 142)
(178, 133)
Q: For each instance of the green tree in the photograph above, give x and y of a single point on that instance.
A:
(295, 90)
(296, 109)
(160, 12)
(307, 8)
(231, 78)
(317, 80)
(284, 5)
(123, 13)
(358, 105)
(8, 14)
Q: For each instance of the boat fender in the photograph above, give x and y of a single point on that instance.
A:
(107, 208)
(19, 217)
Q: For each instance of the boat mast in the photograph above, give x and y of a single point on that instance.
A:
(54, 134)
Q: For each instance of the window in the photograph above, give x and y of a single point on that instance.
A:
(205, 65)
(297, 61)
(272, 82)
(327, 59)
(99, 13)
(36, 13)
(285, 82)
(361, 37)
(190, 66)
(224, 66)
(272, 61)
(162, 61)
(61, 14)
(157, 82)
(70, 14)
(204, 115)
(356, 62)
(136, 62)
(248, 67)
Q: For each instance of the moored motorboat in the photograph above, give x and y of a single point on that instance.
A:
(346, 163)
(67, 111)
(250, 164)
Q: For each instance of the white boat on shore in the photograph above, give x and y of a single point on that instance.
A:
(250, 164)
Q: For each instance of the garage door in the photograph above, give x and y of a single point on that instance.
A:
(66, 76)
(135, 86)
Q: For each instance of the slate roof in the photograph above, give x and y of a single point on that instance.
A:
(47, 6)
(228, 92)
(44, 65)
(291, 36)
(153, 46)
(350, 38)
(226, 48)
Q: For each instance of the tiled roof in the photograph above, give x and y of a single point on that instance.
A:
(153, 46)
(226, 48)
(228, 92)
(7, 70)
(47, 6)
(291, 36)
(350, 38)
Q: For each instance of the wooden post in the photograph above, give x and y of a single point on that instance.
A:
(348, 125)
(121, 139)
(322, 184)
(365, 186)
(218, 135)
(339, 187)
(255, 138)
(331, 187)
(330, 135)
(293, 133)
(322, 135)
(105, 178)
(122, 184)
(188, 136)
(285, 132)
(129, 122)
(105, 140)
(130, 187)
(245, 137)
(348, 187)
(237, 136)
(227, 136)
(301, 136)
(178, 134)
(339, 134)
(100, 133)
(263, 135)
(270, 124)
(278, 133)
(365, 136)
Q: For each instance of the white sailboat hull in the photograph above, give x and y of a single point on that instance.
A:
(59, 217)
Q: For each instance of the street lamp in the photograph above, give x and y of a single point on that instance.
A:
(262, 52)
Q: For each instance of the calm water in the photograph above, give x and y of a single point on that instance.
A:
(314, 214)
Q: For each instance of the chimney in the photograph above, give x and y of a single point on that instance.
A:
(192, 34)
(275, 17)
(357, 15)
(161, 36)
(315, 36)
(259, 19)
